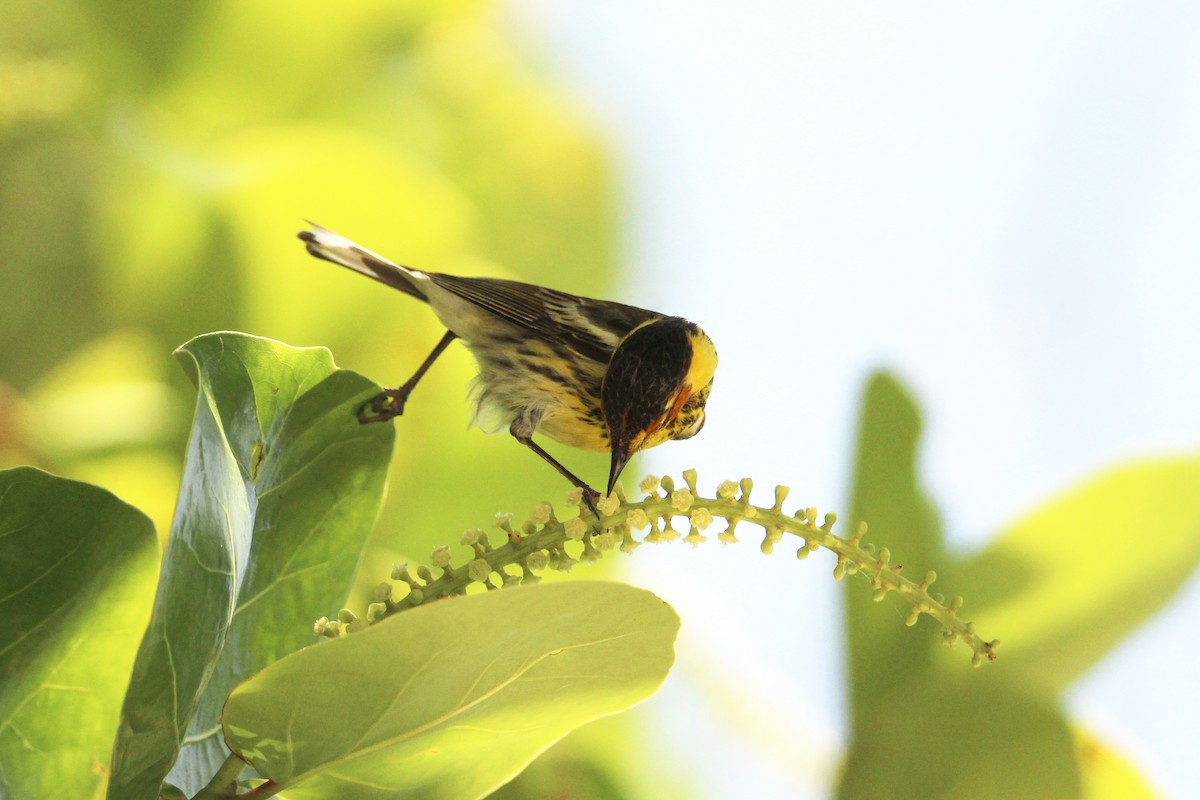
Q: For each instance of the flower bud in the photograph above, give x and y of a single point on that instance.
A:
(681, 500)
(479, 570)
(606, 541)
(575, 528)
(440, 557)
(541, 514)
(608, 504)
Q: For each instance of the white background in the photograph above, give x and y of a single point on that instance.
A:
(1000, 203)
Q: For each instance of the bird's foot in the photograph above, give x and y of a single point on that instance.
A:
(386, 405)
(591, 497)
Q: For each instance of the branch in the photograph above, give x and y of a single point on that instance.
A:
(542, 542)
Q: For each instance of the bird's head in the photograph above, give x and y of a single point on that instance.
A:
(655, 387)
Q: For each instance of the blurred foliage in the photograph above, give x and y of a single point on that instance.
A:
(156, 162)
(1058, 588)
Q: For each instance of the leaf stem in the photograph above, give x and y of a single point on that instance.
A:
(223, 785)
(262, 791)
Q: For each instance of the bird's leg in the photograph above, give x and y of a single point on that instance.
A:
(390, 402)
(522, 431)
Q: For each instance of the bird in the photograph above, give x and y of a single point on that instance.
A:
(590, 374)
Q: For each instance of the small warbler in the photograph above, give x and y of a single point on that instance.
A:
(592, 374)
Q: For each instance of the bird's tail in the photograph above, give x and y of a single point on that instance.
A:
(324, 243)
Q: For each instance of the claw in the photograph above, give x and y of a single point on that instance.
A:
(384, 406)
(590, 496)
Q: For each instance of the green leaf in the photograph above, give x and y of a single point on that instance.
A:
(77, 572)
(452, 699)
(965, 735)
(919, 730)
(887, 496)
(280, 489)
(1068, 582)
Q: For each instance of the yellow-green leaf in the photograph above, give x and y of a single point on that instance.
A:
(452, 699)
(1065, 584)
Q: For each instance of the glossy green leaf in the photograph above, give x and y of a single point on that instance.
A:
(280, 488)
(77, 573)
(453, 699)
(1068, 582)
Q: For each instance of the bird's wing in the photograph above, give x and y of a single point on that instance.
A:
(591, 328)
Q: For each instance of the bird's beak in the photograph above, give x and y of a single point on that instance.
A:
(620, 457)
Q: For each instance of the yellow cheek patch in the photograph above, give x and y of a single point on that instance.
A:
(704, 362)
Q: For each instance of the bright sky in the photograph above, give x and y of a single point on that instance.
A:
(1001, 203)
